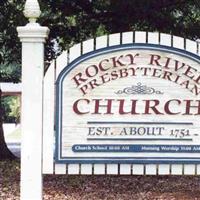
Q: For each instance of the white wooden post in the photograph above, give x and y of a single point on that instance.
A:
(32, 37)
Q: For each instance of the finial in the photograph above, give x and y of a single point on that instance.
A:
(32, 10)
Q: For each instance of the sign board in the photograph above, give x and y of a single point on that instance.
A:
(133, 103)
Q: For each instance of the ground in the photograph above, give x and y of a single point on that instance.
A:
(61, 187)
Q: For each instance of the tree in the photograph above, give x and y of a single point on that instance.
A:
(5, 153)
(74, 21)
(8, 73)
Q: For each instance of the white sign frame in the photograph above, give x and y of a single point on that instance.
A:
(144, 160)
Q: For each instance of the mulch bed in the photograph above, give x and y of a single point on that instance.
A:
(60, 187)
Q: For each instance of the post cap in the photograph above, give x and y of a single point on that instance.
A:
(32, 10)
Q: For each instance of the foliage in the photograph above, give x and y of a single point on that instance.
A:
(11, 109)
(10, 72)
(6, 110)
(11, 16)
(10, 105)
(15, 108)
(76, 20)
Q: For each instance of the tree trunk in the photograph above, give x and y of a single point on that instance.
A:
(5, 153)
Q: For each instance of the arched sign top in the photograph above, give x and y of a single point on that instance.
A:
(141, 46)
(129, 103)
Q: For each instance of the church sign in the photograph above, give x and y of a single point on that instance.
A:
(133, 103)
